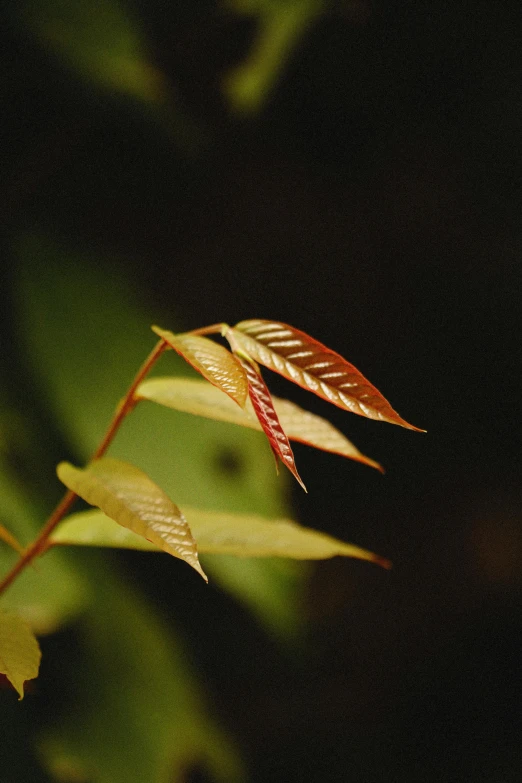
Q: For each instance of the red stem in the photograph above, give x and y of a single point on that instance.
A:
(214, 329)
(126, 405)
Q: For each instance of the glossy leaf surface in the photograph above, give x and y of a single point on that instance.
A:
(242, 535)
(56, 285)
(264, 409)
(312, 365)
(212, 360)
(129, 497)
(19, 651)
(199, 398)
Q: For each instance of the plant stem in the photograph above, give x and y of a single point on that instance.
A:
(214, 329)
(39, 545)
(128, 402)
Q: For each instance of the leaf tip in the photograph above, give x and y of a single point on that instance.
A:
(161, 333)
(383, 562)
(301, 482)
(371, 463)
(409, 426)
(201, 572)
(196, 565)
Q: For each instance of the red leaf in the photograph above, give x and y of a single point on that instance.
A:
(312, 365)
(265, 412)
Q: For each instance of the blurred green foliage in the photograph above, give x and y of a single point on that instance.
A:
(83, 332)
(103, 44)
(280, 26)
(126, 706)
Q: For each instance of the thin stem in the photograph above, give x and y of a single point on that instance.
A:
(214, 329)
(126, 405)
(128, 402)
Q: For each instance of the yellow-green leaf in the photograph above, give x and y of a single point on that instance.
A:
(19, 651)
(131, 498)
(213, 361)
(242, 535)
(55, 284)
(199, 398)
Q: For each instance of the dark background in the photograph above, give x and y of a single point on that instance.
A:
(374, 202)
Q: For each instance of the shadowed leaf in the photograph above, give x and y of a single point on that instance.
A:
(57, 284)
(264, 409)
(19, 651)
(218, 532)
(133, 710)
(280, 26)
(199, 398)
(312, 365)
(106, 47)
(213, 361)
(131, 498)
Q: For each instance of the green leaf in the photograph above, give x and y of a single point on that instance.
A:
(139, 713)
(130, 498)
(214, 362)
(106, 46)
(19, 651)
(281, 25)
(242, 535)
(93, 333)
(310, 364)
(199, 398)
(249, 535)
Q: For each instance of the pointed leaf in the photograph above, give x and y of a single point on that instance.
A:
(56, 284)
(9, 539)
(218, 532)
(264, 409)
(199, 398)
(19, 651)
(313, 430)
(213, 361)
(312, 365)
(131, 498)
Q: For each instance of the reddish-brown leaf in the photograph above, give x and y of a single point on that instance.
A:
(312, 365)
(265, 412)
(213, 361)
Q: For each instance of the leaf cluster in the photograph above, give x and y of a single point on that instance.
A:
(232, 390)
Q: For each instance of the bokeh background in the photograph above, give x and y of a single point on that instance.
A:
(349, 167)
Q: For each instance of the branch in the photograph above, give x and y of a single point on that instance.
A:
(39, 545)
